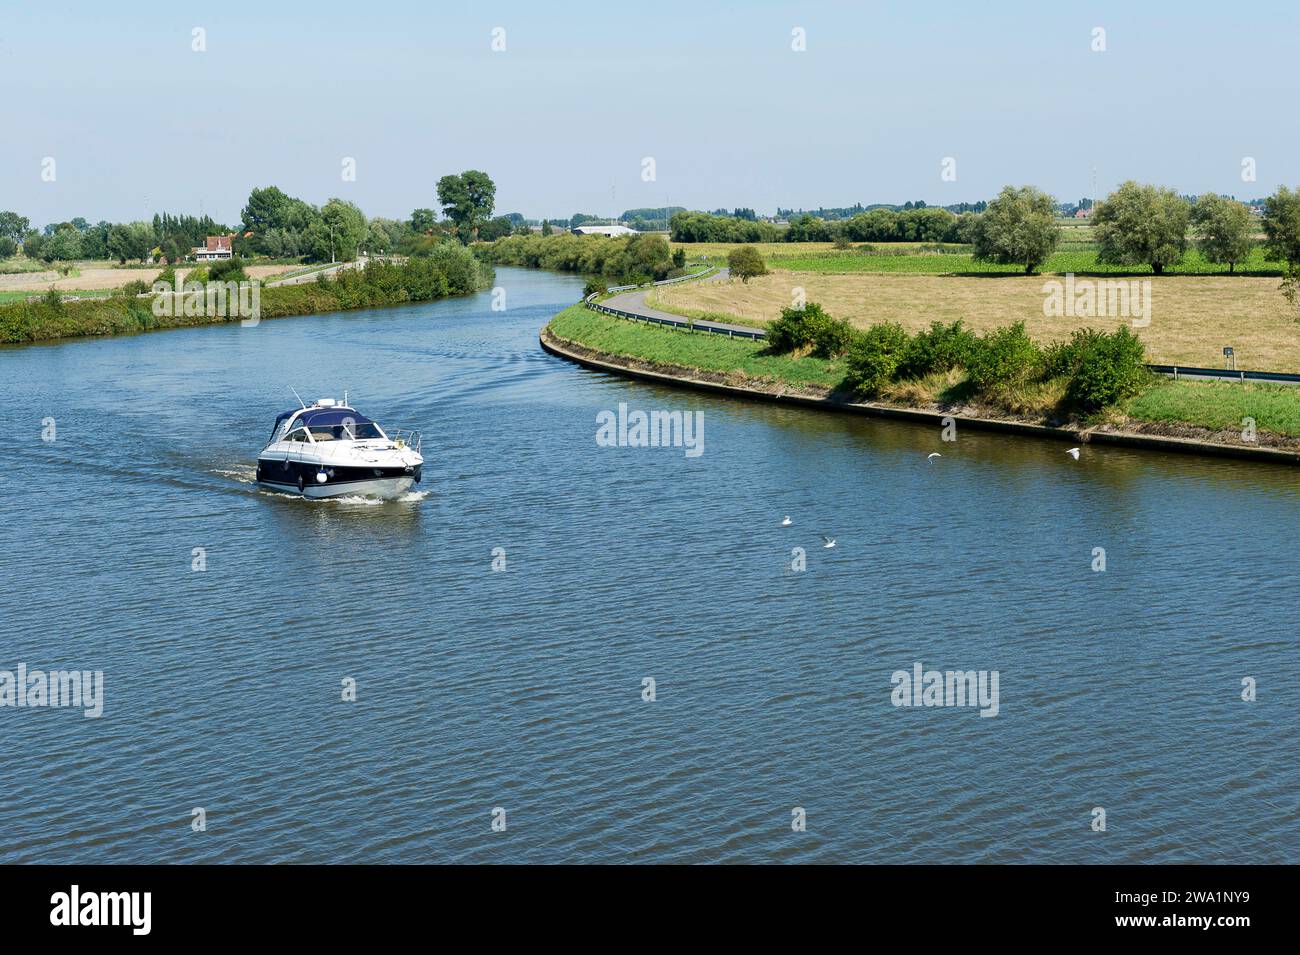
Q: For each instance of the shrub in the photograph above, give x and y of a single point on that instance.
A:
(167, 276)
(1003, 356)
(679, 258)
(832, 337)
(135, 287)
(874, 357)
(941, 348)
(809, 326)
(228, 270)
(199, 274)
(596, 286)
(1108, 369)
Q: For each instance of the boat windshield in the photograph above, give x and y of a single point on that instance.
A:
(346, 431)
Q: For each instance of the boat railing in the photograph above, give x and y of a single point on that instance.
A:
(406, 438)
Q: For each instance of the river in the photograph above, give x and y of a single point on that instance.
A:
(479, 690)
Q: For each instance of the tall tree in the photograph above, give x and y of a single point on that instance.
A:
(1141, 224)
(266, 209)
(1282, 225)
(347, 226)
(1223, 226)
(131, 240)
(13, 225)
(467, 200)
(1018, 227)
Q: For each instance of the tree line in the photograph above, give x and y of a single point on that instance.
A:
(1140, 224)
(1137, 224)
(275, 225)
(916, 224)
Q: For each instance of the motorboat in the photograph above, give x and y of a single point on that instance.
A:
(330, 449)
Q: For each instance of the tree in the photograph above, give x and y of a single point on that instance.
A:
(1141, 224)
(1282, 225)
(423, 221)
(1224, 229)
(746, 263)
(174, 249)
(546, 227)
(266, 209)
(1018, 227)
(131, 240)
(33, 244)
(315, 242)
(644, 257)
(1290, 286)
(8, 247)
(467, 200)
(64, 245)
(378, 239)
(94, 241)
(13, 226)
(347, 228)
(495, 229)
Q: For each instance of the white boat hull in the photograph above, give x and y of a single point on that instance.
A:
(378, 487)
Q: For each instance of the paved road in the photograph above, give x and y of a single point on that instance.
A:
(310, 276)
(635, 303)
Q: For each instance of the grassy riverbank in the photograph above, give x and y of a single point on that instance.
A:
(1211, 411)
(452, 271)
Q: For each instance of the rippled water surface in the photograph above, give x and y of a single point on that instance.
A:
(522, 689)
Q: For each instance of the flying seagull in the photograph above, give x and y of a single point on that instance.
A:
(787, 522)
(932, 455)
(830, 541)
(1074, 453)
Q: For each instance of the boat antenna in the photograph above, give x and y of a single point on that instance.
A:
(299, 397)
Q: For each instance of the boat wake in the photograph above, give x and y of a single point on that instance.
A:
(244, 475)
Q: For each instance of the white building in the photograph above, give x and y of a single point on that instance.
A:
(214, 247)
(607, 230)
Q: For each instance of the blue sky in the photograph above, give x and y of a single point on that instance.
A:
(139, 123)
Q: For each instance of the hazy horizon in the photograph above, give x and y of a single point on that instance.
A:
(564, 116)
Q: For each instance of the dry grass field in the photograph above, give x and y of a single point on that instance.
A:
(95, 277)
(1191, 319)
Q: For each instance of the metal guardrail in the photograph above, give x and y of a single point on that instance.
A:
(686, 323)
(754, 334)
(1237, 373)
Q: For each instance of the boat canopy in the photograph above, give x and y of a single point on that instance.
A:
(323, 416)
(319, 418)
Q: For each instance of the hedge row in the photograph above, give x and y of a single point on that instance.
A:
(445, 272)
(1099, 368)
